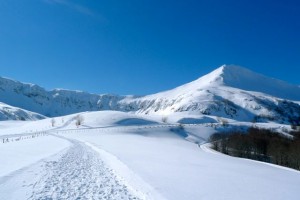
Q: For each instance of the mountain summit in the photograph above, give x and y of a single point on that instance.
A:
(245, 79)
(229, 91)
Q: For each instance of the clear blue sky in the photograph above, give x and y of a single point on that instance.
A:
(145, 46)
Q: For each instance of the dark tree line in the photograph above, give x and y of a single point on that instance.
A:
(260, 144)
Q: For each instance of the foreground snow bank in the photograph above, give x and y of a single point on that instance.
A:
(17, 155)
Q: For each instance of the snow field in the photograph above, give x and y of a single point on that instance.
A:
(178, 169)
(80, 174)
(135, 159)
(76, 172)
(16, 155)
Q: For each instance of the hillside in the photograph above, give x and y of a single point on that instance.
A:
(229, 91)
(12, 113)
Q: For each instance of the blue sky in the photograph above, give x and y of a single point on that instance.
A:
(145, 46)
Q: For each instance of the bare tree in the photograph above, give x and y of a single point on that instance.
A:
(79, 120)
(164, 119)
(53, 122)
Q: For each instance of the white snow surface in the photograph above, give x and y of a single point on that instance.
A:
(17, 155)
(8, 112)
(140, 158)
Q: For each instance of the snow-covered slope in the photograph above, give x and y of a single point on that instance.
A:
(12, 113)
(229, 91)
(52, 103)
(105, 158)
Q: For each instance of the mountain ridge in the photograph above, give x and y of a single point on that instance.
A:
(229, 91)
(234, 75)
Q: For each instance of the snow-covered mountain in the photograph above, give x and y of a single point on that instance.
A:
(52, 103)
(12, 113)
(229, 91)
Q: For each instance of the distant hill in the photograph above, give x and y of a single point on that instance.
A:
(12, 113)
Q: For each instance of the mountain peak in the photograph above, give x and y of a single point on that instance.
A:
(228, 72)
(238, 77)
(242, 78)
(225, 75)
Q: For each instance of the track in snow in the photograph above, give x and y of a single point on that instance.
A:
(79, 173)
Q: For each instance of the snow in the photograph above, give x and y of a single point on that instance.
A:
(127, 176)
(24, 127)
(105, 159)
(242, 78)
(17, 155)
(8, 112)
(150, 147)
(114, 118)
(179, 169)
(230, 92)
(76, 173)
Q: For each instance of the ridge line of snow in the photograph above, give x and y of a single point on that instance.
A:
(229, 91)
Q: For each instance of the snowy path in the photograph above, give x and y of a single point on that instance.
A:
(77, 173)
